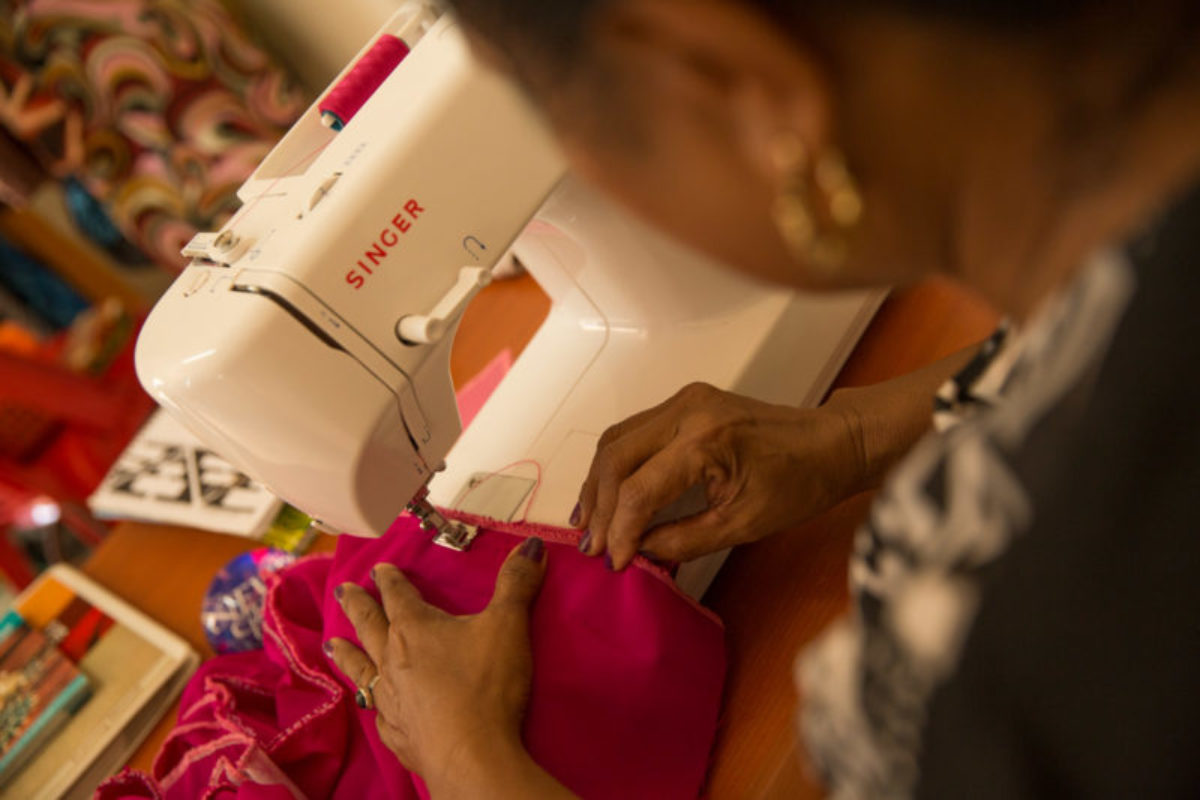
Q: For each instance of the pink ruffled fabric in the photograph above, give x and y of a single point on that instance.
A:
(628, 674)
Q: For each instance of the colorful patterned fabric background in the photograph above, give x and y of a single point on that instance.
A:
(162, 108)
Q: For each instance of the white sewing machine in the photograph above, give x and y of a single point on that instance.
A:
(309, 341)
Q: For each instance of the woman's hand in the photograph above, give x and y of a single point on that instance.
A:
(452, 691)
(762, 467)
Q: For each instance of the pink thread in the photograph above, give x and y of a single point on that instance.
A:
(195, 754)
(244, 210)
(528, 502)
(353, 91)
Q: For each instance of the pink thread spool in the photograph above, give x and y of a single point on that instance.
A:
(353, 91)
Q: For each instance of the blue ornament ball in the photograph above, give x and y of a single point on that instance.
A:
(233, 606)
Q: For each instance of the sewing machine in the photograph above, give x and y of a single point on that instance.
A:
(308, 342)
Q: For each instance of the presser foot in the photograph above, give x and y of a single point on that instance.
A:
(447, 533)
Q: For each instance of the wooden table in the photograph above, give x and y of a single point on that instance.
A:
(775, 595)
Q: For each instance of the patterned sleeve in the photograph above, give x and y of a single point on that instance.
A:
(948, 512)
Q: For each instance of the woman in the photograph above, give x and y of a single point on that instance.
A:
(1020, 582)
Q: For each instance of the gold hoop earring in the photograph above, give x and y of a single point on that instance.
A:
(818, 204)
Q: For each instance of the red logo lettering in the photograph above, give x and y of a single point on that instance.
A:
(377, 252)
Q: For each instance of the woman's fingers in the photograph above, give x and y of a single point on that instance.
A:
(655, 485)
(623, 450)
(402, 602)
(614, 462)
(443, 679)
(647, 420)
(353, 663)
(520, 578)
(366, 616)
(688, 538)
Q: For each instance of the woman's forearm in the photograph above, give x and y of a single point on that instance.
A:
(887, 419)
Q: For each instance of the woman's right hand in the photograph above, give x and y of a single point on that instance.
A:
(762, 467)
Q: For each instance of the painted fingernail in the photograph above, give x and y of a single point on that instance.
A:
(339, 591)
(608, 562)
(575, 515)
(328, 648)
(532, 548)
(373, 574)
(585, 544)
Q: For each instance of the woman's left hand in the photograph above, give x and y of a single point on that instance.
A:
(452, 690)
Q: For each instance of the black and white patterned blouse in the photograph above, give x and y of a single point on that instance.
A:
(949, 510)
(1027, 616)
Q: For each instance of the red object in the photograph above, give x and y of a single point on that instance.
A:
(57, 391)
(97, 418)
(59, 434)
(87, 624)
(476, 392)
(628, 676)
(24, 431)
(353, 91)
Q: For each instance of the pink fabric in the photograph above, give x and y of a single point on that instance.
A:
(628, 674)
(475, 392)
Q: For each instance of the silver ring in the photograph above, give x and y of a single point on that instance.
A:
(364, 696)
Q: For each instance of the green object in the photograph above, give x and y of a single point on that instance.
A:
(290, 531)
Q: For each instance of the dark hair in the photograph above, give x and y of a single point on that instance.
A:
(557, 29)
(547, 40)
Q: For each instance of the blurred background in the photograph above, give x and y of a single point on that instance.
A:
(126, 126)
